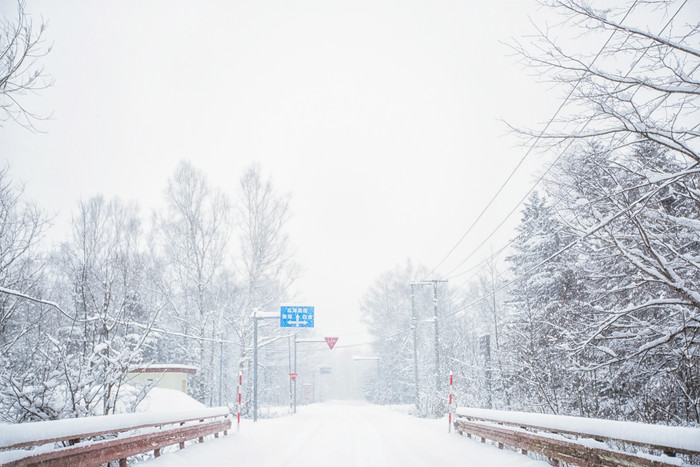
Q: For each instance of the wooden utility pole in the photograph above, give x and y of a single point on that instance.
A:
(437, 334)
(438, 384)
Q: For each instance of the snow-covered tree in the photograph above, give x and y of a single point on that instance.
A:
(636, 77)
(387, 308)
(21, 270)
(265, 261)
(194, 232)
(638, 211)
(541, 303)
(99, 271)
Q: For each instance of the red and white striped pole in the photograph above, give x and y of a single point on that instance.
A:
(449, 407)
(240, 382)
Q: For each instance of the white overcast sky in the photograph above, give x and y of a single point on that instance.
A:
(380, 118)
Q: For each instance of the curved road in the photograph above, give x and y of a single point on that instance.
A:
(344, 434)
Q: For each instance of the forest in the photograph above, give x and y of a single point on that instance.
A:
(123, 295)
(592, 308)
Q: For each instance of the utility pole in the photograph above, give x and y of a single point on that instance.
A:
(414, 323)
(256, 316)
(221, 367)
(255, 367)
(437, 333)
(486, 343)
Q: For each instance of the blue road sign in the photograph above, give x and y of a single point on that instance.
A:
(297, 316)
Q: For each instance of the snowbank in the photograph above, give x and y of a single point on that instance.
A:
(165, 400)
(30, 432)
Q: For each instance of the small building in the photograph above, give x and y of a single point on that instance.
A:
(168, 376)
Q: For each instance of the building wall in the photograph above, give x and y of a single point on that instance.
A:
(169, 380)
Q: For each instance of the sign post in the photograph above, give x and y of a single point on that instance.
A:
(256, 316)
(294, 316)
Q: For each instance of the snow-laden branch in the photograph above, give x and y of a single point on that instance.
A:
(579, 9)
(44, 302)
(616, 315)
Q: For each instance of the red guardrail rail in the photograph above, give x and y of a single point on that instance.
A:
(92, 441)
(583, 441)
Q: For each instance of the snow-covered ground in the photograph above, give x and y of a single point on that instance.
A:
(343, 434)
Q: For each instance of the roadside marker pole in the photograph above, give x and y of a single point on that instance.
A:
(390, 397)
(449, 407)
(240, 381)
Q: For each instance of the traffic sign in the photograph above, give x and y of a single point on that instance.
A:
(297, 316)
(331, 341)
(293, 376)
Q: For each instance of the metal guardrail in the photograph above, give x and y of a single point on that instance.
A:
(106, 438)
(581, 441)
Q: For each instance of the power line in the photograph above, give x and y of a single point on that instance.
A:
(553, 163)
(532, 146)
(590, 232)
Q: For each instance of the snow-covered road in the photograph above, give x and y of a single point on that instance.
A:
(343, 434)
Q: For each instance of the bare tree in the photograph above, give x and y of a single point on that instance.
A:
(266, 261)
(194, 232)
(626, 186)
(21, 228)
(21, 269)
(644, 81)
(21, 47)
(102, 269)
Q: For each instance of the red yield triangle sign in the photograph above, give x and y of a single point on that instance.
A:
(293, 376)
(331, 341)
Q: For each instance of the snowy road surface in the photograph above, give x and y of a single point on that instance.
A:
(343, 434)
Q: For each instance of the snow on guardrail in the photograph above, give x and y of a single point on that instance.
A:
(30, 432)
(685, 438)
